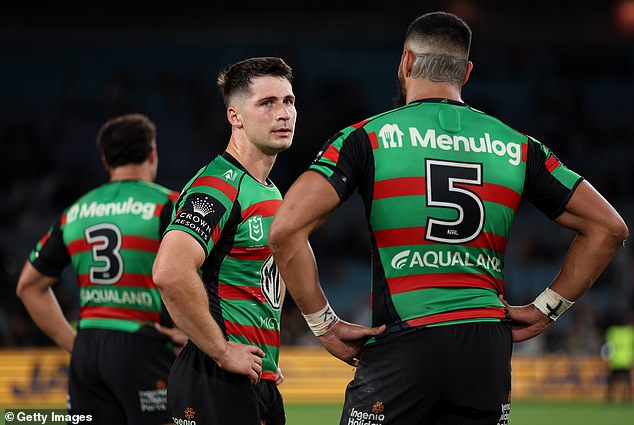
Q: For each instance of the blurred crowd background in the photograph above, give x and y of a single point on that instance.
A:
(562, 72)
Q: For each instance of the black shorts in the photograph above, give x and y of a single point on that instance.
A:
(456, 374)
(199, 390)
(120, 376)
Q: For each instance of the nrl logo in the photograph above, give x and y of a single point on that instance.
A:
(256, 230)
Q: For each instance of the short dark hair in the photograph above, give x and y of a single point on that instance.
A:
(237, 78)
(127, 139)
(442, 30)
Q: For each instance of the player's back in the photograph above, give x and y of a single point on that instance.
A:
(447, 184)
(112, 235)
(441, 183)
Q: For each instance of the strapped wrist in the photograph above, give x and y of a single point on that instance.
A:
(321, 321)
(552, 304)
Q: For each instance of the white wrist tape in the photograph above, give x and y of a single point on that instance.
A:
(552, 304)
(321, 321)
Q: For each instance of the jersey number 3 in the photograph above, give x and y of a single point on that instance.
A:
(105, 242)
(442, 191)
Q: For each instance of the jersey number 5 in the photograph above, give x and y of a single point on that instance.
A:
(105, 242)
(442, 191)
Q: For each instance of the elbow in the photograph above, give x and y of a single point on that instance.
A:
(165, 277)
(615, 231)
(619, 232)
(277, 234)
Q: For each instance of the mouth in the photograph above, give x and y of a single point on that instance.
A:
(285, 131)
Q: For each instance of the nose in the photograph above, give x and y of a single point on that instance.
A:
(285, 112)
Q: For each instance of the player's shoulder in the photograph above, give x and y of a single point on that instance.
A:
(221, 175)
(160, 189)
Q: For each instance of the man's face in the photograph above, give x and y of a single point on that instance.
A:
(268, 114)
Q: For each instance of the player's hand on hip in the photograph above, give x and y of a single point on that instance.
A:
(242, 359)
(279, 377)
(526, 321)
(345, 340)
(177, 336)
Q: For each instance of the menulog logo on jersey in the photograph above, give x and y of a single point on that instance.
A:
(97, 209)
(392, 137)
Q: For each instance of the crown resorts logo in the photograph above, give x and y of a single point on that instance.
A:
(202, 206)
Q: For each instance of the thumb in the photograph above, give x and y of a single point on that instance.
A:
(162, 329)
(375, 330)
(503, 301)
(256, 350)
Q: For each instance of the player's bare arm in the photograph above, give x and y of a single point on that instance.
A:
(600, 232)
(35, 291)
(175, 273)
(306, 206)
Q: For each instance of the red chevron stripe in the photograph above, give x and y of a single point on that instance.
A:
(415, 282)
(254, 334)
(474, 313)
(217, 183)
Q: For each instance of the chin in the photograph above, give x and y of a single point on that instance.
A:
(280, 147)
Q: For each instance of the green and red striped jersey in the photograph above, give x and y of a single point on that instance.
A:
(441, 183)
(111, 236)
(229, 213)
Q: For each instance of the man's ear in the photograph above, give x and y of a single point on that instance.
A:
(105, 163)
(233, 116)
(467, 72)
(407, 61)
(153, 157)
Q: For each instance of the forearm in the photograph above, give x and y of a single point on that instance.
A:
(188, 305)
(297, 264)
(306, 206)
(47, 314)
(600, 233)
(586, 259)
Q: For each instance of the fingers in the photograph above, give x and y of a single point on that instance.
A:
(176, 335)
(256, 350)
(353, 362)
(503, 301)
(279, 377)
(376, 330)
(255, 374)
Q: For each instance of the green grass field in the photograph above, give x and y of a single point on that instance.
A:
(522, 413)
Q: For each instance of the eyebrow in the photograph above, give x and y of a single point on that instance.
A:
(274, 98)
